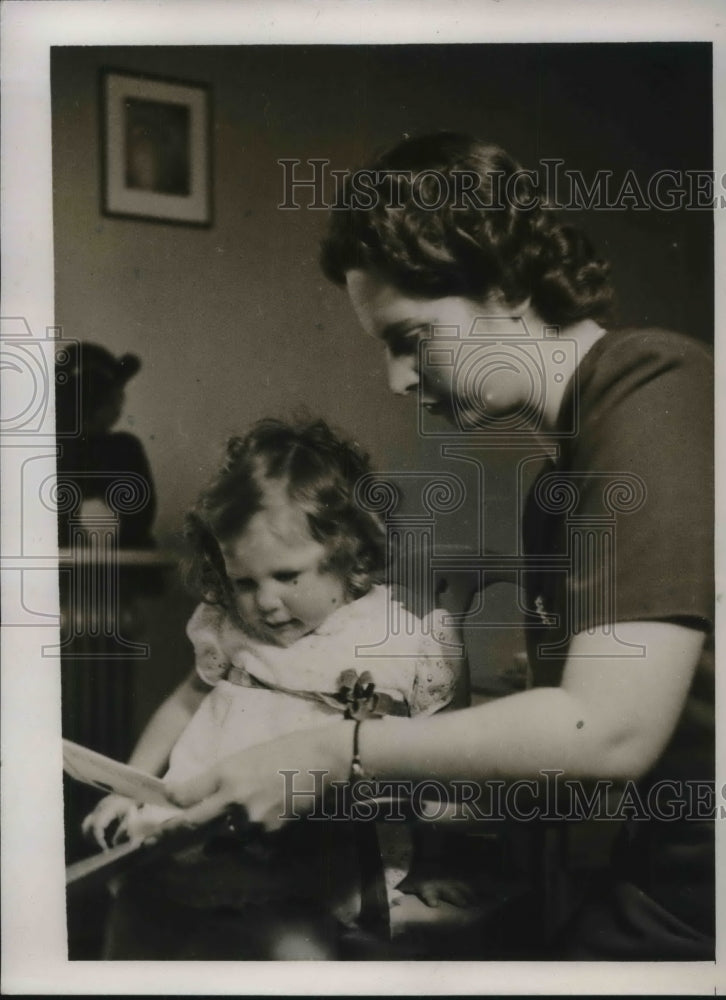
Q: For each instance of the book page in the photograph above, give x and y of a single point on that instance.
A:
(111, 775)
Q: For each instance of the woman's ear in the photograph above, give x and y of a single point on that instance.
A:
(523, 307)
(515, 310)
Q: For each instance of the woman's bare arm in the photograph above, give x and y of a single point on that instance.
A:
(610, 718)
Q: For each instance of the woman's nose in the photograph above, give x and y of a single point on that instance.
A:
(402, 374)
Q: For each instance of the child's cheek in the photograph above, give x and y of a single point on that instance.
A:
(243, 607)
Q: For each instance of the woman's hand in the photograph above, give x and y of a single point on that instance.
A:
(272, 782)
(111, 809)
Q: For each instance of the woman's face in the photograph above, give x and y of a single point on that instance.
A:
(449, 349)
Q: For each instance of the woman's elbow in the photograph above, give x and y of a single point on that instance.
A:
(625, 757)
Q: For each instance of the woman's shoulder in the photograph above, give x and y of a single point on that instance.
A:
(625, 361)
(625, 346)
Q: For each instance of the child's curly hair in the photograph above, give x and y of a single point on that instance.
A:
(470, 242)
(318, 471)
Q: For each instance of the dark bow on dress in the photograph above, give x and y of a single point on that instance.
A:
(357, 692)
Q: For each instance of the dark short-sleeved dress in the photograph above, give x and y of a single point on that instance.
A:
(623, 520)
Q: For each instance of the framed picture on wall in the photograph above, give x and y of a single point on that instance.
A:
(156, 149)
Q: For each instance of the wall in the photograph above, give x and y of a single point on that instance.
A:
(235, 322)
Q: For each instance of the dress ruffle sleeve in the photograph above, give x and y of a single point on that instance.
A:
(441, 675)
(204, 631)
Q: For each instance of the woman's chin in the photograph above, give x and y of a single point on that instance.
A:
(440, 409)
(494, 415)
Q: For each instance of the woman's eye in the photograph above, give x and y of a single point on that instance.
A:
(405, 342)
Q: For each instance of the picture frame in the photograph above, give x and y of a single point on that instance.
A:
(155, 149)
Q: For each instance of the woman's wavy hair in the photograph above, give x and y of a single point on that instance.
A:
(318, 472)
(474, 240)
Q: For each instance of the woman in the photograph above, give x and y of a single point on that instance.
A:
(456, 238)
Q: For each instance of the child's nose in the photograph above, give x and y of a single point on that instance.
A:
(268, 597)
(402, 374)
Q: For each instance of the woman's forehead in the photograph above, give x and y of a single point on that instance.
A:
(378, 303)
(384, 311)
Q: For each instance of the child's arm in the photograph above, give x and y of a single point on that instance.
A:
(151, 754)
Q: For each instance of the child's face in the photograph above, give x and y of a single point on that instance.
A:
(274, 568)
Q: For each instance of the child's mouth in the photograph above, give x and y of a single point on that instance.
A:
(283, 633)
(281, 626)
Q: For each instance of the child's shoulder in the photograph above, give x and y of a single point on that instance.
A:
(376, 602)
(207, 621)
(212, 625)
(419, 606)
(385, 593)
(406, 615)
(218, 642)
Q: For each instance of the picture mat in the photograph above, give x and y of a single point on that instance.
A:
(122, 200)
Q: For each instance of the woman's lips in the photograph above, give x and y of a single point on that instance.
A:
(436, 407)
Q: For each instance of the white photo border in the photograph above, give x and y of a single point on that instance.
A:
(33, 940)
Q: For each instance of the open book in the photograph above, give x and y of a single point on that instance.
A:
(110, 775)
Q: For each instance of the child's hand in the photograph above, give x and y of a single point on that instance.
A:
(435, 889)
(111, 809)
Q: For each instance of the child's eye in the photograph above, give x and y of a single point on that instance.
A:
(287, 576)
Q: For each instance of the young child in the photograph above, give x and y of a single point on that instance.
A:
(286, 563)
